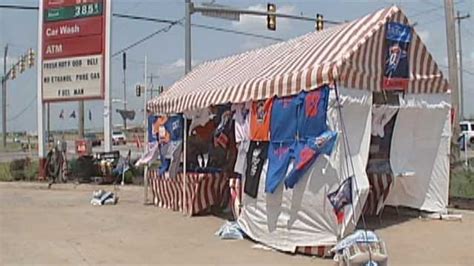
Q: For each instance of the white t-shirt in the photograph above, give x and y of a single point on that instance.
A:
(242, 121)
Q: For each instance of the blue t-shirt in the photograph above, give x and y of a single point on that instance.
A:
(313, 114)
(283, 121)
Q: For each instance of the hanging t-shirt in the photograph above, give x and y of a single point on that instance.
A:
(242, 121)
(283, 122)
(174, 127)
(260, 120)
(312, 118)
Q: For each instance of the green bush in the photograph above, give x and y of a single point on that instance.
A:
(23, 170)
(5, 174)
(17, 169)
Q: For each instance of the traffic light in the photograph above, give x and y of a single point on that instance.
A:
(22, 64)
(271, 19)
(13, 73)
(31, 58)
(319, 22)
(160, 89)
(138, 90)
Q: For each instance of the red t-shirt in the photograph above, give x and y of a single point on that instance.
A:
(260, 120)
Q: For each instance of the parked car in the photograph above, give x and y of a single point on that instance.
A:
(467, 129)
(93, 139)
(118, 137)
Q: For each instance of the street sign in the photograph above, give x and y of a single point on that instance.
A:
(223, 14)
(73, 49)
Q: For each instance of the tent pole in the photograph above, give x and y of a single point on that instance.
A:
(184, 163)
(145, 135)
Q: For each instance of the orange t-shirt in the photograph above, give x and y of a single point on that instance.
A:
(260, 120)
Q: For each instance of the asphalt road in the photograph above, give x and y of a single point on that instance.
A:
(13, 155)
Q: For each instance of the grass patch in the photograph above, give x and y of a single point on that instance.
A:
(19, 170)
(11, 147)
(462, 183)
(5, 175)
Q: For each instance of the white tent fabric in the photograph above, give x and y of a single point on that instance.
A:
(303, 216)
(420, 145)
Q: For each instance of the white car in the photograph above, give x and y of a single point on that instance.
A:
(467, 128)
(118, 137)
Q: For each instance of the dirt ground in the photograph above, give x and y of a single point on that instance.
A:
(59, 226)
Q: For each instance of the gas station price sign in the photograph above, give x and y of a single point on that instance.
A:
(73, 49)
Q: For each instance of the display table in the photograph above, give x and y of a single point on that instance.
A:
(202, 191)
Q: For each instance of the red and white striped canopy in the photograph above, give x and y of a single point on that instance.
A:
(351, 53)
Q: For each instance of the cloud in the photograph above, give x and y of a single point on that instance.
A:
(258, 25)
(424, 35)
(174, 70)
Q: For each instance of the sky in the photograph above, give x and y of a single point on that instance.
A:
(165, 51)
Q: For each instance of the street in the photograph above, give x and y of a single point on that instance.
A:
(71, 153)
(59, 226)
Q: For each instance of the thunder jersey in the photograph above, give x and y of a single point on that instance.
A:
(283, 122)
(312, 117)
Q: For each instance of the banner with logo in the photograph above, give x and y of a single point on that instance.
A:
(396, 66)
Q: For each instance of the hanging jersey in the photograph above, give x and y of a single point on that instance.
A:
(312, 118)
(283, 121)
(260, 120)
(174, 127)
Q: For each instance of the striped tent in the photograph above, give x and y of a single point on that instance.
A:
(351, 53)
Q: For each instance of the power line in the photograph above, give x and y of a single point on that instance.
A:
(30, 104)
(236, 32)
(133, 17)
(463, 70)
(21, 7)
(165, 29)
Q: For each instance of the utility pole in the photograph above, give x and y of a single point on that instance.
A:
(187, 36)
(151, 76)
(453, 72)
(4, 98)
(461, 89)
(124, 90)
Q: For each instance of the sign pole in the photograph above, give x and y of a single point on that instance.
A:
(81, 119)
(145, 131)
(40, 106)
(4, 98)
(107, 81)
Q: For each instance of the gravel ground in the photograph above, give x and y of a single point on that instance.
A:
(59, 226)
